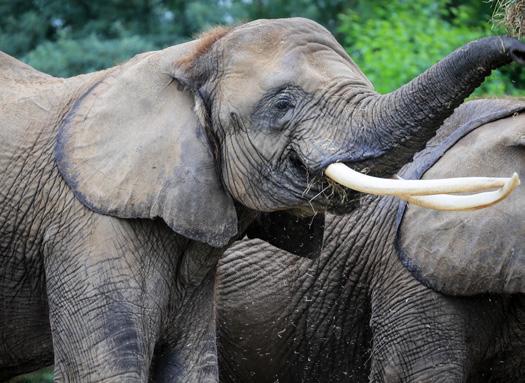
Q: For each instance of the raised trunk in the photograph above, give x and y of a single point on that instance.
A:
(404, 120)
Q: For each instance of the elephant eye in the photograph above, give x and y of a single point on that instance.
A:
(283, 104)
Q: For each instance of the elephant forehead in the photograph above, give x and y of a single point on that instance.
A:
(293, 49)
(269, 54)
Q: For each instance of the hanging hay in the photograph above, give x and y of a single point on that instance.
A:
(511, 15)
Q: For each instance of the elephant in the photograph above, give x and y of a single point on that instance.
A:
(120, 189)
(398, 294)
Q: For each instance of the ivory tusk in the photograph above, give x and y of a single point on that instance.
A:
(464, 202)
(348, 177)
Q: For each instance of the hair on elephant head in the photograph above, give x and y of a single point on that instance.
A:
(252, 114)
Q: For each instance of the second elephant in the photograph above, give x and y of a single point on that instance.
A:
(357, 314)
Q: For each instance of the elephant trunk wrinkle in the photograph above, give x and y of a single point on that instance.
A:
(401, 122)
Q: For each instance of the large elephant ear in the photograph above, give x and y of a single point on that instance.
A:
(133, 147)
(467, 253)
(302, 236)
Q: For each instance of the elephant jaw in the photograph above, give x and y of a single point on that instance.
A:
(429, 193)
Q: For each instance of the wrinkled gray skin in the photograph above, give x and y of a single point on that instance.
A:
(357, 314)
(120, 189)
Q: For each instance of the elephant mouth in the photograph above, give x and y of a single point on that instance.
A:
(320, 192)
(432, 194)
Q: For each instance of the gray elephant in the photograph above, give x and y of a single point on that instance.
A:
(120, 189)
(367, 310)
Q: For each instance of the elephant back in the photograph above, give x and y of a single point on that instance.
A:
(15, 71)
(471, 252)
(32, 102)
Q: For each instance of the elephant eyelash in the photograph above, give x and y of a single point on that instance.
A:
(284, 100)
(284, 103)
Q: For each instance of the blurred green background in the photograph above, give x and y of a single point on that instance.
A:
(392, 41)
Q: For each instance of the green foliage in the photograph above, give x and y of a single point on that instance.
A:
(68, 57)
(393, 42)
(323, 11)
(67, 38)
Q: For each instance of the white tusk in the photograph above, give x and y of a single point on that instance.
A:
(464, 202)
(348, 177)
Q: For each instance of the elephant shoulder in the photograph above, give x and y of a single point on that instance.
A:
(31, 102)
(466, 253)
(28, 95)
(20, 82)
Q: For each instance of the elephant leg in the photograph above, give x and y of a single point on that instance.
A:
(418, 335)
(99, 337)
(105, 304)
(25, 338)
(192, 359)
(187, 351)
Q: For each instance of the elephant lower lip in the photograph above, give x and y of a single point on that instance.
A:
(321, 193)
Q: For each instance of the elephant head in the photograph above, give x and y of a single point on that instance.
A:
(252, 114)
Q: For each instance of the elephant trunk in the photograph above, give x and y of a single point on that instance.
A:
(399, 124)
(404, 120)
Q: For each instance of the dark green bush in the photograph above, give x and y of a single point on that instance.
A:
(68, 57)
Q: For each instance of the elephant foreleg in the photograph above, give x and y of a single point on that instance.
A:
(187, 351)
(104, 308)
(191, 355)
(418, 335)
(132, 302)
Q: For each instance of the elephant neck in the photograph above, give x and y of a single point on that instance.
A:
(355, 248)
(331, 310)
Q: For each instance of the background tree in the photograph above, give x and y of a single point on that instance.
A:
(392, 41)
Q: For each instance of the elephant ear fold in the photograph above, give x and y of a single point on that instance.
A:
(133, 147)
(297, 235)
(472, 252)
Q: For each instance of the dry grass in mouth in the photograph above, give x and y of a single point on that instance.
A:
(511, 15)
(328, 189)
